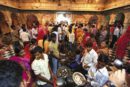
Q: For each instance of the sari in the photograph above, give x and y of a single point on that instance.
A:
(79, 35)
(27, 52)
(122, 44)
(86, 37)
(41, 33)
(24, 62)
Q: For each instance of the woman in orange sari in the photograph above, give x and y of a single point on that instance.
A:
(79, 34)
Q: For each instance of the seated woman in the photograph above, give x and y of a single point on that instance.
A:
(24, 62)
(98, 76)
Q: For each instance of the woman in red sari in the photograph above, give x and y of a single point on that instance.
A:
(24, 62)
(40, 30)
(86, 37)
(122, 44)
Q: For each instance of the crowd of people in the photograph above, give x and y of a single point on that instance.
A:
(31, 57)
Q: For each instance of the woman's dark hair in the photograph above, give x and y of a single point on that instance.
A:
(17, 47)
(10, 73)
(33, 41)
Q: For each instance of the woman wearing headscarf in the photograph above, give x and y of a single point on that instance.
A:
(122, 44)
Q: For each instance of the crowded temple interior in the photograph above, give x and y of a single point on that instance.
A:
(64, 43)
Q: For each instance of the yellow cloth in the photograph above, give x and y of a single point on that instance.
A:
(79, 35)
(53, 47)
(40, 43)
(46, 46)
(73, 29)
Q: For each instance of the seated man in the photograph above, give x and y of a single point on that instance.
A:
(98, 76)
(41, 68)
(10, 74)
(90, 56)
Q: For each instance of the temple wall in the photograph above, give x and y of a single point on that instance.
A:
(113, 14)
(44, 16)
(51, 16)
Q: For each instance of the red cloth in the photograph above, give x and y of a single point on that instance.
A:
(112, 29)
(122, 44)
(46, 32)
(95, 46)
(54, 83)
(85, 39)
(24, 63)
(27, 52)
(40, 33)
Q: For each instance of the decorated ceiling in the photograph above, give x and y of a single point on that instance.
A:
(68, 5)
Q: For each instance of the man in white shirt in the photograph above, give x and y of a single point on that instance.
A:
(41, 68)
(99, 75)
(90, 56)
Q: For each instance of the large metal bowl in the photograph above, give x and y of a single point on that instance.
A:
(64, 72)
(60, 82)
(79, 79)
